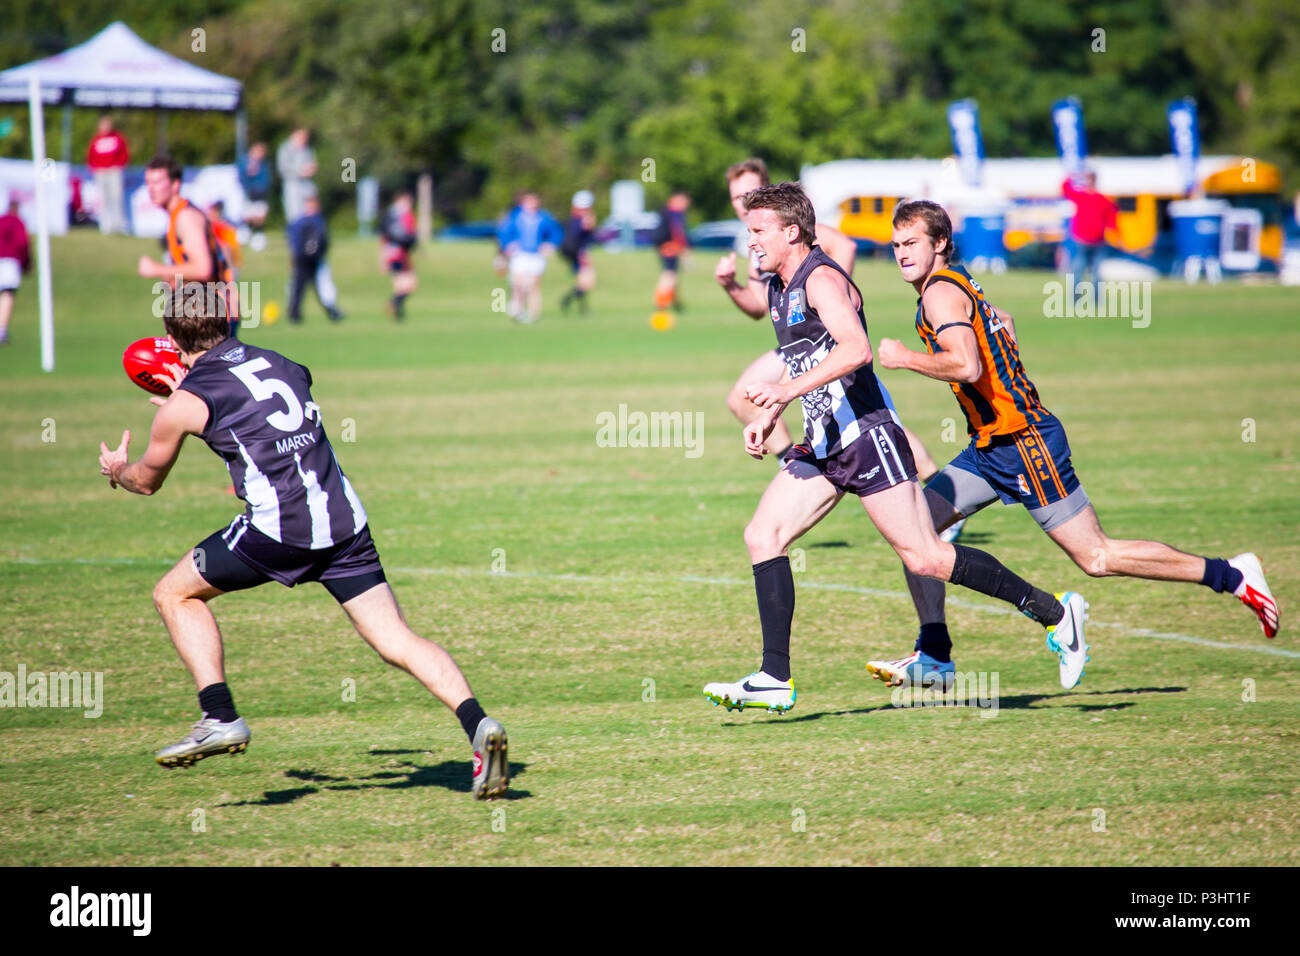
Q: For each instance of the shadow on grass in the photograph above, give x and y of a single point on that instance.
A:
(450, 775)
(1015, 702)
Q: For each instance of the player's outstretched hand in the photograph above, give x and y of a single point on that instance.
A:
(116, 458)
(891, 353)
(725, 272)
(145, 267)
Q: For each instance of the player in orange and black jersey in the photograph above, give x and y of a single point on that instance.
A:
(1018, 451)
(197, 256)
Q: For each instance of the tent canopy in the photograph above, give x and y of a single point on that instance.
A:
(116, 69)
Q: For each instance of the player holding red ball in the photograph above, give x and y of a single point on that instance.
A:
(304, 522)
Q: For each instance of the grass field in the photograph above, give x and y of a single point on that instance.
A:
(589, 592)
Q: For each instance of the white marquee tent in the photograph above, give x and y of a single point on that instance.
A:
(114, 69)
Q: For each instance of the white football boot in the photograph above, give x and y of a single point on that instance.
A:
(756, 690)
(1065, 639)
(1254, 593)
(917, 669)
(207, 737)
(491, 774)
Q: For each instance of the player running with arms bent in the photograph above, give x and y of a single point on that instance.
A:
(304, 522)
(750, 297)
(1018, 453)
(853, 444)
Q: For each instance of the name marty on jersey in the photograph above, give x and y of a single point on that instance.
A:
(805, 355)
(294, 442)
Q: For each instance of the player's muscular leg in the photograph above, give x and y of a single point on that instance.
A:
(798, 497)
(181, 598)
(928, 593)
(902, 516)
(1101, 556)
(378, 619)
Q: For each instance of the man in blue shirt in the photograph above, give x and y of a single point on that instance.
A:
(528, 238)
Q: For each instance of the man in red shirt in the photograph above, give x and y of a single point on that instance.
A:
(107, 158)
(15, 259)
(1094, 214)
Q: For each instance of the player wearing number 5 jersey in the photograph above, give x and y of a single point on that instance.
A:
(1018, 453)
(303, 522)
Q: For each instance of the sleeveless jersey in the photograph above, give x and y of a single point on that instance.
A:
(221, 269)
(834, 414)
(1003, 401)
(264, 425)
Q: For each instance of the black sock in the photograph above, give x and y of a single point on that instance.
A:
(980, 571)
(215, 701)
(398, 302)
(469, 714)
(934, 640)
(1220, 576)
(774, 585)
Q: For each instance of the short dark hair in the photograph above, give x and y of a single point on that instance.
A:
(790, 203)
(937, 224)
(163, 161)
(195, 329)
(752, 165)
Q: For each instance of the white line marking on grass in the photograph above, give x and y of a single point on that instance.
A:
(869, 592)
(729, 582)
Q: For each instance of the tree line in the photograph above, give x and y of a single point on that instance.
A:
(498, 95)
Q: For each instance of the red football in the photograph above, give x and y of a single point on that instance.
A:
(148, 358)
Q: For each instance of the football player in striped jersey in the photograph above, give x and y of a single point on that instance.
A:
(303, 522)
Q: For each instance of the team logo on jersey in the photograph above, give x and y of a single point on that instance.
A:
(776, 316)
(234, 355)
(795, 314)
(1024, 485)
(802, 357)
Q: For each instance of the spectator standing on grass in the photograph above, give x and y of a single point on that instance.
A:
(107, 158)
(528, 238)
(296, 163)
(308, 242)
(15, 259)
(255, 178)
(1094, 214)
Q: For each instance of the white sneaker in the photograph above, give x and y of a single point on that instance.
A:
(756, 690)
(208, 736)
(1254, 593)
(916, 668)
(1065, 639)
